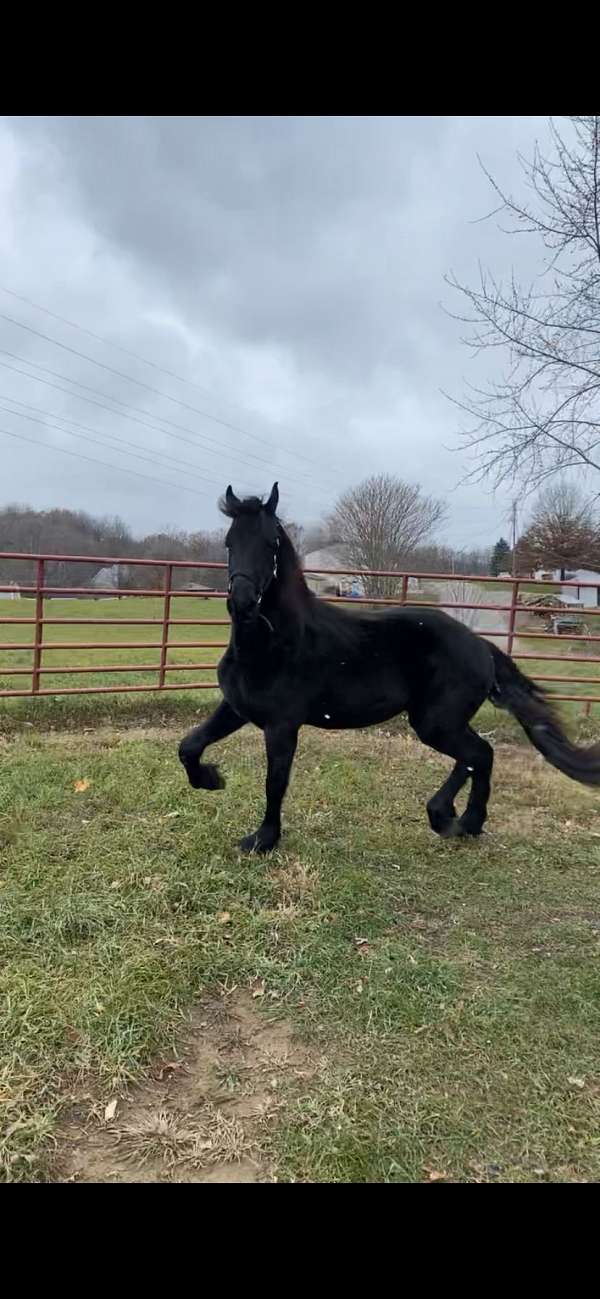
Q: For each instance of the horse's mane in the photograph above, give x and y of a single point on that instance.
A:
(234, 507)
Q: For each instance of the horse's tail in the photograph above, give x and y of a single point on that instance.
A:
(530, 704)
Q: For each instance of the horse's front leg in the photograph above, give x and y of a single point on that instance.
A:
(204, 775)
(280, 741)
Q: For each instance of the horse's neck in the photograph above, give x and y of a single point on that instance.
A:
(280, 623)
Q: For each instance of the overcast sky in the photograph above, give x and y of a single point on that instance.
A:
(287, 271)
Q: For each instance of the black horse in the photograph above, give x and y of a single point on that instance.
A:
(294, 660)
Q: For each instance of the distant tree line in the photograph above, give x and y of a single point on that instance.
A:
(383, 523)
(72, 532)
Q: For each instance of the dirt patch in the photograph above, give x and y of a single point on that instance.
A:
(200, 1116)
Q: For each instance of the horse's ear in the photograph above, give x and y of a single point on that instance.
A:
(231, 500)
(273, 501)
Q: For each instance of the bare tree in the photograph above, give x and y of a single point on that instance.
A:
(563, 532)
(381, 522)
(543, 415)
(461, 592)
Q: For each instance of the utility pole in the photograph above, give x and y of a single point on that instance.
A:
(513, 515)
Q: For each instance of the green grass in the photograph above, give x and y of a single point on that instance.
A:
(450, 991)
(97, 707)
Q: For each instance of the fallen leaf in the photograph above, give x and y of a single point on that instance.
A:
(80, 786)
(110, 1110)
(168, 816)
(359, 986)
(259, 991)
(224, 917)
(576, 1082)
(436, 1176)
(168, 1068)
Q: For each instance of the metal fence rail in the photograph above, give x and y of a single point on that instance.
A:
(42, 594)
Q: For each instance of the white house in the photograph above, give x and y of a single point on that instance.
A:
(322, 582)
(585, 595)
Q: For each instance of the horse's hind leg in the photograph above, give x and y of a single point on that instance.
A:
(204, 775)
(474, 758)
(440, 808)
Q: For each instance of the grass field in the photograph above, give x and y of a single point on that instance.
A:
(370, 1004)
(93, 708)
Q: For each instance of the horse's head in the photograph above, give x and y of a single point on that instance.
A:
(253, 545)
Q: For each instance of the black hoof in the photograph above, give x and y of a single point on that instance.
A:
(443, 822)
(461, 828)
(470, 828)
(261, 841)
(204, 775)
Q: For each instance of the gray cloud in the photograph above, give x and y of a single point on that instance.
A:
(290, 267)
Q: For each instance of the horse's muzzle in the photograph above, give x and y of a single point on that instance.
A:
(244, 599)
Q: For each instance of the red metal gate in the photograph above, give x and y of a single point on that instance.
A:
(42, 595)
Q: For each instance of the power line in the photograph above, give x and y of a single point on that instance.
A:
(156, 458)
(108, 342)
(149, 459)
(157, 392)
(120, 469)
(155, 427)
(126, 351)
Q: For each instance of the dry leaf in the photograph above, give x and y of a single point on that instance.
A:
(359, 986)
(576, 1082)
(167, 1069)
(224, 917)
(259, 991)
(80, 786)
(436, 1176)
(110, 1110)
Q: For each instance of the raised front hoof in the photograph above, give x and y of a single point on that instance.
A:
(204, 775)
(443, 821)
(261, 841)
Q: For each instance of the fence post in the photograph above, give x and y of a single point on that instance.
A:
(404, 588)
(164, 645)
(38, 630)
(512, 616)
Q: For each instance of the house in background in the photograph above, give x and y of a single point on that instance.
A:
(323, 582)
(588, 596)
(351, 583)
